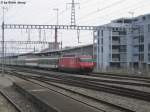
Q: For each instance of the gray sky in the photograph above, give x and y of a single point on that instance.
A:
(91, 12)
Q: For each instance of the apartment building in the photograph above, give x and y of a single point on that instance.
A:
(141, 42)
(124, 43)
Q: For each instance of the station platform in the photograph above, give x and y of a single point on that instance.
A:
(5, 105)
(5, 81)
(50, 100)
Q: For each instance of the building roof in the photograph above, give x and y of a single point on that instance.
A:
(65, 49)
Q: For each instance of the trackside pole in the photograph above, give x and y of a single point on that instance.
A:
(3, 69)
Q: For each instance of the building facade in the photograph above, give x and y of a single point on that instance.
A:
(124, 43)
(141, 42)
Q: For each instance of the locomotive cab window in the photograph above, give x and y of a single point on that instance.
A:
(87, 60)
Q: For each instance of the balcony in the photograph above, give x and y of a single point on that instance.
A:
(115, 60)
(135, 43)
(115, 51)
(118, 33)
(115, 33)
(123, 41)
(123, 60)
(115, 43)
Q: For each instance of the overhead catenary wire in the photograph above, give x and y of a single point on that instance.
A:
(111, 12)
(63, 2)
(38, 12)
(103, 15)
(104, 8)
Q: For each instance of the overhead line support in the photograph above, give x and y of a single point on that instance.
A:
(63, 27)
(73, 12)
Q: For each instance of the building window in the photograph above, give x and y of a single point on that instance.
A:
(102, 41)
(149, 47)
(98, 33)
(148, 27)
(122, 33)
(141, 48)
(148, 57)
(102, 49)
(143, 17)
(148, 16)
(123, 48)
(110, 47)
(95, 33)
(102, 33)
(98, 41)
(141, 38)
(141, 57)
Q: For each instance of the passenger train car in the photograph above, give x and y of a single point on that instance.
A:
(71, 63)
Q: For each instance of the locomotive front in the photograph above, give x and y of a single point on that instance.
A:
(87, 63)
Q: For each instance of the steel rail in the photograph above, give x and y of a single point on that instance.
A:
(120, 77)
(28, 78)
(99, 87)
(12, 102)
(124, 81)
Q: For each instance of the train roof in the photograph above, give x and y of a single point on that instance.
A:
(79, 56)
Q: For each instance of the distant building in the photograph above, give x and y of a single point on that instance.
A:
(141, 42)
(124, 43)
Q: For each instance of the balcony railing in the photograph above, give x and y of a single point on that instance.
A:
(115, 43)
(115, 59)
(115, 51)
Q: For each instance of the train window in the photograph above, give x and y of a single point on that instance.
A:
(48, 61)
(41, 61)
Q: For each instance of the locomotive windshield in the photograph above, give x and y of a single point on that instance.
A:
(87, 60)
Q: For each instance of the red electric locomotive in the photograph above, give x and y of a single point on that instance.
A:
(75, 63)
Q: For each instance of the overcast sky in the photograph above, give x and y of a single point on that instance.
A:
(90, 12)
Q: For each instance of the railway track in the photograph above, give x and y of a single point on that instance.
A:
(121, 77)
(44, 80)
(125, 82)
(18, 109)
(124, 75)
(42, 76)
(90, 84)
(138, 81)
(94, 74)
(100, 82)
(100, 87)
(95, 84)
